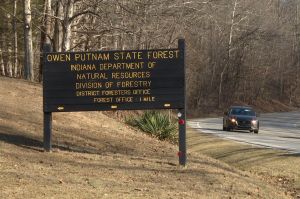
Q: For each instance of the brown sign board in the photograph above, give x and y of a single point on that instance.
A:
(114, 80)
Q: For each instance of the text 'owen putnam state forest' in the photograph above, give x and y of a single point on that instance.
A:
(108, 80)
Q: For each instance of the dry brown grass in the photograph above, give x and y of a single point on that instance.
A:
(276, 167)
(95, 156)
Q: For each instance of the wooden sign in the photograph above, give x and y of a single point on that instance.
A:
(114, 80)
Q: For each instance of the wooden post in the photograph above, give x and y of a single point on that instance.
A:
(47, 131)
(182, 112)
(47, 115)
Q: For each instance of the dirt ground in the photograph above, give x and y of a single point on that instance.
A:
(95, 156)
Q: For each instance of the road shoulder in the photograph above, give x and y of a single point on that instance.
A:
(277, 167)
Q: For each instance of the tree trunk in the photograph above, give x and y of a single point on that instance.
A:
(67, 25)
(2, 68)
(28, 65)
(9, 65)
(58, 30)
(45, 34)
(15, 70)
(229, 53)
(4, 52)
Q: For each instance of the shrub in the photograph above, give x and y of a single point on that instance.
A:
(155, 123)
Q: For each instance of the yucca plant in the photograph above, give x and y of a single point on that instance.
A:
(155, 123)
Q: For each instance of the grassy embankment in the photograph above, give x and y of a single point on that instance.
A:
(95, 156)
(273, 166)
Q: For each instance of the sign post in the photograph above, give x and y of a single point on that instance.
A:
(114, 80)
(47, 131)
(47, 115)
(182, 112)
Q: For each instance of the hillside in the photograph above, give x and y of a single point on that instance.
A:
(95, 156)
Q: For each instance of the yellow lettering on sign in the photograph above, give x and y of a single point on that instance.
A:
(91, 56)
(116, 92)
(87, 93)
(130, 75)
(121, 66)
(141, 92)
(82, 67)
(58, 57)
(133, 84)
(83, 76)
(128, 55)
(88, 85)
(124, 99)
(103, 100)
(147, 99)
(163, 54)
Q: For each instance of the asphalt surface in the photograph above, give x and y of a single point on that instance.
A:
(277, 130)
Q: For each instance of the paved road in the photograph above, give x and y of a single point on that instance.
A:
(277, 130)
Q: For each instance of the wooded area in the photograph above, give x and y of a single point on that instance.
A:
(237, 50)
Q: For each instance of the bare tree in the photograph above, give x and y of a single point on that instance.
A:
(9, 65)
(15, 70)
(45, 33)
(232, 24)
(28, 64)
(68, 14)
(2, 68)
(58, 29)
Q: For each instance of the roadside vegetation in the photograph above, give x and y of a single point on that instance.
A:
(155, 123)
